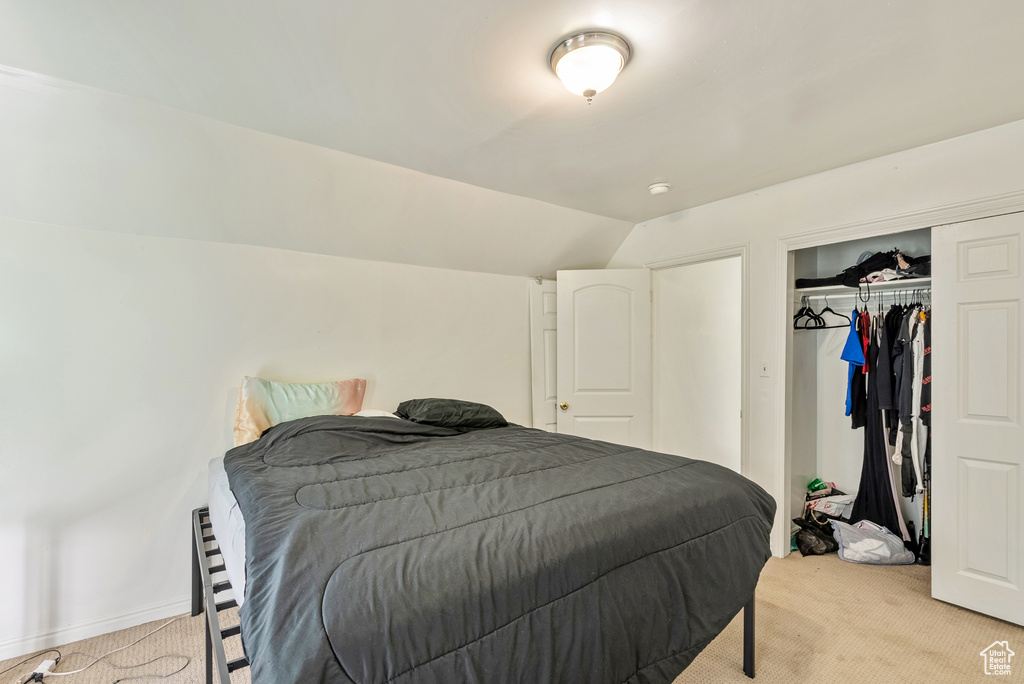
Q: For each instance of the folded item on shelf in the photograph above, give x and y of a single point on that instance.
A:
(885, 275)
(875, 265)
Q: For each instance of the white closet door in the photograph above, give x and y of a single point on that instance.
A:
(604, 355)
(978, 501)
(543, 334)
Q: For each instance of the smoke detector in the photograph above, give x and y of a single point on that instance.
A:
(658, 188)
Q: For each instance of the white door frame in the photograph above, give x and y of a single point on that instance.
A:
(543, 297)
(742, 251)
(959, 212)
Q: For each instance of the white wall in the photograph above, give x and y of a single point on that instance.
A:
(971, 167)
(76, 156)
(150, 258)
(120, 358)
(697, 356)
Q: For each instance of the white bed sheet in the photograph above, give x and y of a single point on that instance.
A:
(228, 527)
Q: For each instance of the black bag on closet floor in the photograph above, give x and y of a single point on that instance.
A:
(814, 540)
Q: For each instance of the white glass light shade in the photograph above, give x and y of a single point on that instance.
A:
(589, 70)
(588, 62)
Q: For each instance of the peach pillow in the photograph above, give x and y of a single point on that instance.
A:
(263, 404)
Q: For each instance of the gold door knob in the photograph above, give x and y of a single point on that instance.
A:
(564, 406)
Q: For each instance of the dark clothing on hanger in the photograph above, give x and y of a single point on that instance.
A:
(926, 382)
(883, 368)
(908, 329)
(900, 348)
(858, 393)
(893, 320)
(875, 501)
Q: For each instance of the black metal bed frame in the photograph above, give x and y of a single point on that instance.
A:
(205, 589)
(204, 596)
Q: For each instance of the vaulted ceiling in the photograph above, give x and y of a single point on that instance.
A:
(721, 96)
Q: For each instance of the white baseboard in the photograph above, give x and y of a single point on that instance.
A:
(18, 646)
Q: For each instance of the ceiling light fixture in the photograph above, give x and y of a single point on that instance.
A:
(588, 62)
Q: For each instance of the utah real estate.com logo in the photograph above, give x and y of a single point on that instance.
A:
(997, 658)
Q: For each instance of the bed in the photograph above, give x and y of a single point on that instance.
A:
(376, 550)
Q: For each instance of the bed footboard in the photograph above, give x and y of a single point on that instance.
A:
(204, 597)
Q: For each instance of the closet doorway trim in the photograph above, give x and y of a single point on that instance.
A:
(958, 212)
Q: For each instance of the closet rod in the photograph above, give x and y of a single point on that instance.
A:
(910, 291)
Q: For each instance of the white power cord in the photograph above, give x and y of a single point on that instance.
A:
(45, 667)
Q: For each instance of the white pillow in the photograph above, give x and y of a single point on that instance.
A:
(263, 404)
(376, 413)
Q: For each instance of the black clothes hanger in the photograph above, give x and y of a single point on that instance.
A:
(817, 321)
(806, 312)
(864, 295)
(829, 309)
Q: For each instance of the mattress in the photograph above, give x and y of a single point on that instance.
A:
(228, 527)
(381, 550)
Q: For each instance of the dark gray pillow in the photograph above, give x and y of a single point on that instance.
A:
(450, 413)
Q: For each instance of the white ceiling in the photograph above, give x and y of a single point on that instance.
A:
(721, 96)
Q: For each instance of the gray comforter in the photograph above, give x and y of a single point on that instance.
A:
(382, 550)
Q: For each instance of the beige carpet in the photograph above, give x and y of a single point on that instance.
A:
(818, 620)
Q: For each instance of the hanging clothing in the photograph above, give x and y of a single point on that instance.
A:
(883, 368)
(864, 330)
(882, 375)
(875, 500)
(926, 380)
(893, 320)
(853, 353)
(889, 394)
(893, 488)
(910, 434)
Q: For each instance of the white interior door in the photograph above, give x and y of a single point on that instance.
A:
(604, 355)
(543, 329)
(697, 357)
(977, 555)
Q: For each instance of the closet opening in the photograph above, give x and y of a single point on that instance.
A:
(846, 355)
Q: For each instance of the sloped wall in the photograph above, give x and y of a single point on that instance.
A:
(76, 156)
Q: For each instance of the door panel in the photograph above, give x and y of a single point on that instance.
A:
(616, 429)
(987, 518)
(543, 350)
(602, 319)
(977, 555)
(604, 355)
(988, 350)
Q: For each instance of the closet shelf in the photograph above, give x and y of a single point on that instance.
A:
(889, 286)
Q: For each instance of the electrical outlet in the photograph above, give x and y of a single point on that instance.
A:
(764, 370)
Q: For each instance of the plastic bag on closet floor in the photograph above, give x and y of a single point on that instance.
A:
(866, 542)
